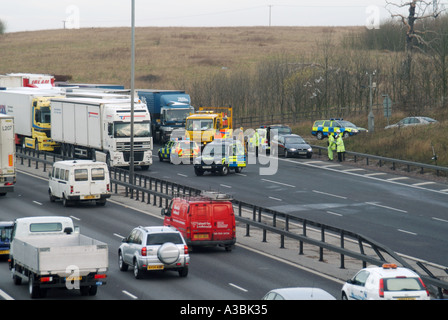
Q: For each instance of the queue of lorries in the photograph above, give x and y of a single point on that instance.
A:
(95, 123)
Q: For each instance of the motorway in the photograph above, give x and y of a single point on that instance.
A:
(214, 273)
(407, 214)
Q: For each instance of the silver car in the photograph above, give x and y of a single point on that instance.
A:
(154, 248)
(412, 121)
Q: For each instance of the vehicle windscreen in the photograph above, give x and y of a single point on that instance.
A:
(199, 124)
(123, 130)
(178, 115)
(295, 140)
(43, 115)
(402, 284)
(5, 233)
(161, 238)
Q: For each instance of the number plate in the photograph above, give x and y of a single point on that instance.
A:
(155, 267)
(73, 278)
(4, 251)
(90, 197)
(201, 236)
(206, 167)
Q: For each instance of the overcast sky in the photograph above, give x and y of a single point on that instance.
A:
(28, 15)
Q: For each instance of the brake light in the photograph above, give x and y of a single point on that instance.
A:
(143, 253)
(381, 290)
(71, 189)
(188, 233)
(108, 188)
(46, 279)
(100, 276)
(424, 286)
(185, 249)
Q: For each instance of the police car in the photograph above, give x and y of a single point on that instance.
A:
(221, 156)
(179, 151)
(321, 128)
(387, 282)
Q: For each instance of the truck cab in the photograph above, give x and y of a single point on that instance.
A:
(209, 123)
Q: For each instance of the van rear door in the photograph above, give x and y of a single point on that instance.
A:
(201, 224)
(100, 180)
(223, 221)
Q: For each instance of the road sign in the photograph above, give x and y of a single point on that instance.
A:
(387, 103)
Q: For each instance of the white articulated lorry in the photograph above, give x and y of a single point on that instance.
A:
(49, 253)
(7, 155)
(31, 110)
(100, 129)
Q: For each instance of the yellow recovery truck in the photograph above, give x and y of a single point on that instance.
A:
(209, 123)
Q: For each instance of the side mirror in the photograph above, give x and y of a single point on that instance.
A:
(124, 240)
(165, 212)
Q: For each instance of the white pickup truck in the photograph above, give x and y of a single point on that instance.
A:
(50, 253)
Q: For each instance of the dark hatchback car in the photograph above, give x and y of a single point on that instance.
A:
(291, 145)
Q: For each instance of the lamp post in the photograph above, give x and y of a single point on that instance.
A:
(131, 156)
(371, 117)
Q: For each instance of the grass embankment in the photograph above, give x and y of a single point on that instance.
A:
(414, 143)
(168, 57)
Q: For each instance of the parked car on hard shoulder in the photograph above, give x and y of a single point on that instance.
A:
(75, 181)
(291, 145)
(412, 121)
(321, 128)
(298, 293)
(154, 248)
(387, 282)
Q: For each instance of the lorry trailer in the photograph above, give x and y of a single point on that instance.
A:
(100, 129)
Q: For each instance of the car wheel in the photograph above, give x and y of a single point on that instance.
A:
(238, 169)
(137, 272)
(344, 296)
(160, 157)
(198, 172)
(52, 197)
(65, 202)
(320, 135)
(121, 264)
(183, 272)
(224, 170)
(286, 154)
(346, 134)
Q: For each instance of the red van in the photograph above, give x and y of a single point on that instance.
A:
(205, 220)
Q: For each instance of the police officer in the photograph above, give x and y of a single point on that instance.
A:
(256, 138)
(340, 148)
(331, 146)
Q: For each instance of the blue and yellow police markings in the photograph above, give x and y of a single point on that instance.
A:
(164, 152)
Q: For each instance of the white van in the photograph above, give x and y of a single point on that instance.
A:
(79, 180)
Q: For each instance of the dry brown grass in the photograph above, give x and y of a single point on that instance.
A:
(167, 57)
(164, 56)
